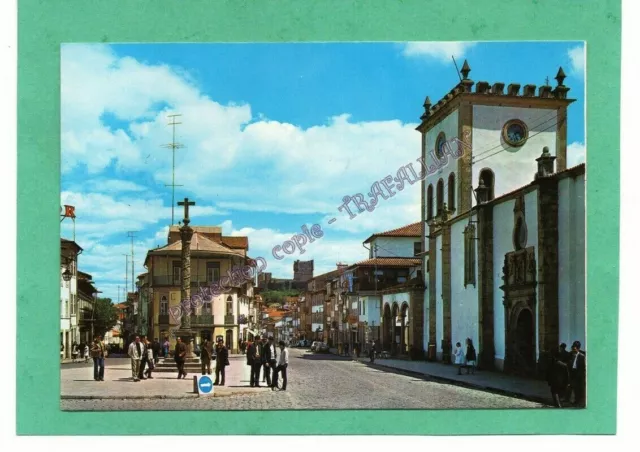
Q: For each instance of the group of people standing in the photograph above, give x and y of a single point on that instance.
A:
(144, 357)
(262, 354)
(566, 375)
(465, 358)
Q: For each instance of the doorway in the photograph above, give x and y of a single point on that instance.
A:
(525, 340)
(229, 339)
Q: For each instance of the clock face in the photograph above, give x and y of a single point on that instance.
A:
(515, 133)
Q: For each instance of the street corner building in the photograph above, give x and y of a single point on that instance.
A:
(503, 226)
(212, 256)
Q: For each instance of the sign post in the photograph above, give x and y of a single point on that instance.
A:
(204, 385)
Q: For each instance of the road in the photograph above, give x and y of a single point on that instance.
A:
(326, 382)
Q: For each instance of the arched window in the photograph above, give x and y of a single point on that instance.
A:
(451, 192)
(440, 196)
(229, 305)
(164, 306)
(487, 178)
(440, 144)
(430, 202)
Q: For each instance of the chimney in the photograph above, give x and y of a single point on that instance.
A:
(497, 88)
(545, 163)
(529, 90)
(513, 89)
(544, 91)
(482, 87)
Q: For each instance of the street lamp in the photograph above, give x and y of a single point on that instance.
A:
(66, 275)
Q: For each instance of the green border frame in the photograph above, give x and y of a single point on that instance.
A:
(45, 24)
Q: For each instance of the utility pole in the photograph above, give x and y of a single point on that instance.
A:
(173, 146)
(132, 235)
(126, 277)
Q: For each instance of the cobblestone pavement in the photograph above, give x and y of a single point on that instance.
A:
(325, 382)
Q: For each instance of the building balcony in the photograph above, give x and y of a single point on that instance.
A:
(229, 319)
(163, 319)
(202, 320)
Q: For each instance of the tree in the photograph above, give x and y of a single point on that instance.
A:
(104, 315)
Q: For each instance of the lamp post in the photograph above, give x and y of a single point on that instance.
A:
(93, 310)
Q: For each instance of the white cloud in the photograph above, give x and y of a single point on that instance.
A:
(229, 154)
(577, 57)
(115, 185)
(576, 154)
(440, 51)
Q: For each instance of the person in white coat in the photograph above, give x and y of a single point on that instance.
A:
(459, 357)
(281, 367)
(135, 353)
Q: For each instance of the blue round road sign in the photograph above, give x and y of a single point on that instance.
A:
(205, 384)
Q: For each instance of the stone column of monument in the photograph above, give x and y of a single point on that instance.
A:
(186, 233)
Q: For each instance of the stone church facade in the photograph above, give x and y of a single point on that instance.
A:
(503, 226)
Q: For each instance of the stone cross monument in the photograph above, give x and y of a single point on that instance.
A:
(186, 232)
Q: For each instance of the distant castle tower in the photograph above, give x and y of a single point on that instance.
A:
(302, 270)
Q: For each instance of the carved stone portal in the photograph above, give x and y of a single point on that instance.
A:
(519, 276)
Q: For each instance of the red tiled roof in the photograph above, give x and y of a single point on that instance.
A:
(236, 242)
(410, 230)
(198, 243)
(389, 262)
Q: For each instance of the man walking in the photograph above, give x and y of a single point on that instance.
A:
(254, 359)
(222, 360)
(156, 350)
(144, 358)
(578, 373)
(135, 353)
(282, 364)
(180, 355)
(205, 357)
(97, 353)
(270, 356)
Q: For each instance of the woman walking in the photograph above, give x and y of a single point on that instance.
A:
(459, 357)
(470, 357)
(151, 364)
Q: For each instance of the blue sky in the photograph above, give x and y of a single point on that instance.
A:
(275, 135)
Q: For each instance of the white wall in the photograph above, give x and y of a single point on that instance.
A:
(571, 260)
(531, 216)
(514, 167)
(394, 246)
(439, 306)
(464, 300)
(449, 125)
(502, 244)
(372, 311)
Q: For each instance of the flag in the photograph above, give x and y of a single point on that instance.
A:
(69, 211)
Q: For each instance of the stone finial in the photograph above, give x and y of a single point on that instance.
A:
(482, 193)
(465, 70)
(560, 91)
(497, 88)
(529, 90)
(482, 87)
(513, 89)
(427, 108)
(545, 163)
(560, 76)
